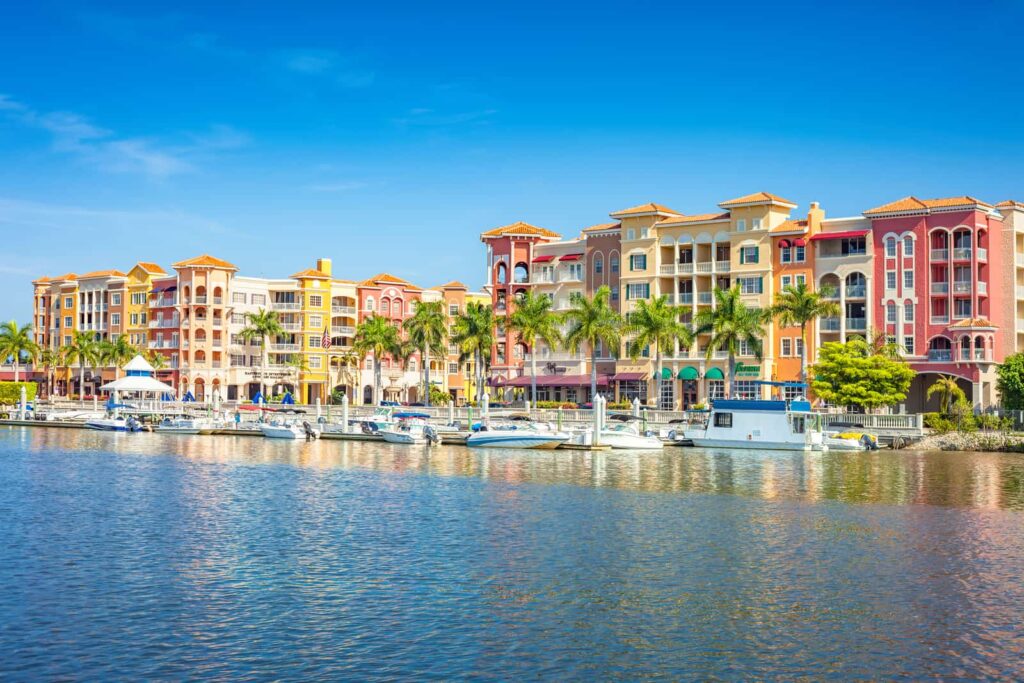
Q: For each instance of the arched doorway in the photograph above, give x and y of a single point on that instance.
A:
(367, 395)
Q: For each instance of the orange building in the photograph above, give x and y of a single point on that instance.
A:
(792, 264)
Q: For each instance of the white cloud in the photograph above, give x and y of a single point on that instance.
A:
(327, 64)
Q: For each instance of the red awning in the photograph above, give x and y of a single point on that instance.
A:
(839, 235)
(557, 381)
(544, 259)
(784, 243)
(570, 257)
(799, 242)
(629, 376)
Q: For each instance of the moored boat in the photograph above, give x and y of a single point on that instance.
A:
(114, 424)
(411, 430)
(627, 435)
(851, 441)
(759, 424)
(185, 425)
(289, 430)
(516, 434)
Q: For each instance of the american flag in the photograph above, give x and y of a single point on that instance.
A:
(325, 341)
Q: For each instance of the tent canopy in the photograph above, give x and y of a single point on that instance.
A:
(138, 383)
(287, 399)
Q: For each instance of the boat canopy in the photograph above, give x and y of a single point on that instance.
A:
(408, 416)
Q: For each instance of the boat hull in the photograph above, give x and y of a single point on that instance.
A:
(748, 445)
(512, 440)
(632, 442)
(392, 437)
(279, 432)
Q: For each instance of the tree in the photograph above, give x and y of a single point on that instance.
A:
(348, 363)
(732, 323)
(849, 374)
(656, 323)
(1010, 382)
(440, 396)
(262, 325)
(427, 329)
(949, 392)
(116, 353)
(533, 319)
(156, 359)
(16, 343)
(797, 305)
(473, 334)
(592, 321)
(51, 359)
(83, 350)
(377, 336)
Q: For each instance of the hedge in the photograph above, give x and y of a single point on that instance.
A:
(10, 392)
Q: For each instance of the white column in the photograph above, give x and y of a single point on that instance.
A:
(842, 310)
(490, 263)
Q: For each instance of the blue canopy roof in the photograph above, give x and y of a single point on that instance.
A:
(258, 398)
(287, 399)
(409, 415)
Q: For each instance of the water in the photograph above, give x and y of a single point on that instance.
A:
(147, 556)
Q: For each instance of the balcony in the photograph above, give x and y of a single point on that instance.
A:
(1020, 291)
(291, 327)
(684, 298)
(343, 310)
(829, 324)
(705, 297)
(856, 291)
(940, 319)
(164, 323)
(940, 288)
(670, 269)
(343, 330)
(940, 254)
(217, 343)
(198, 300)
(982, 254)
(285, 347)
(962, 254)
(217, 322)
(703, 266)
(977, 355)
(940, 355)
(217, 301)
(164, 344)
(723, 266)
(285, 306)
(856, 323)
(962, 287)
(1020, 260)
(163, 302)
(983, 288)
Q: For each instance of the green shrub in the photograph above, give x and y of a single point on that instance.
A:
(620, 405)
(988, 421)
(937, 423)
(10, 392)
(551, 405)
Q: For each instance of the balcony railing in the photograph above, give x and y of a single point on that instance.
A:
(940, 288)
(199, 300)
(856, 291)
(291, 327)
(962, 287)
(982, 254)
(1020, 291)
(217, 301)
(163, 302)
(829, 324)
(982, 287)
(940, 355)
(856, 323)
(684, 268)
(164, 323)
(1020, 260)
(723, 266)
(940, 254)
(343, 310)
(343, 330)
(962, 254)
(704, 297)
(670, 269)
(285, 347)
(940, 319)
(702, 266)
(684, 298)
(163, 344)
(285, 306)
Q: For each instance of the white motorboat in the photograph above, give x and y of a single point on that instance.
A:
(412, 430)
(385, 418)
(185, 425)
(851, 440)
(114, 424)
(759, 425)
(516, 434)
(628, 436)
(73, 415)
(289, 430)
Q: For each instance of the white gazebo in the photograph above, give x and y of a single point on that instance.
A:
(138, 379)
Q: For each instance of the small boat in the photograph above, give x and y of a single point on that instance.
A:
(627, 436)
(185, 425)
(289, 430)
(516, 435)
(114, 424)
(851, 441)
(760, 425)
(412, 430)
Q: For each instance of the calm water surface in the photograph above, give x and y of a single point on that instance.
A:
(146, 556)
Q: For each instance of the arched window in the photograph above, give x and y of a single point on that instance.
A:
(385, 306)
(398, 308)
(598, 264)
(890, 312)
(502, 274)
(890, 247)
(908, 311)
(521, 274)
(412, 365)
(370, 304)
(614, 263)
(908, 246)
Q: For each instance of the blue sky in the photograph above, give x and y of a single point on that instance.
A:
(389, 135)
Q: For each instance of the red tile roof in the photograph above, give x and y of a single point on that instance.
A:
(649, 207)
(915, 205)
(757, 198)
(520, 228)
(205, 260)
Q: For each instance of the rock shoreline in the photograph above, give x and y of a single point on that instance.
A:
(992, 441)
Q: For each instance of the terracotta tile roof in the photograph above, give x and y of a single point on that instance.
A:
(696, 218)
(973, 323)
(205, 260)
(454, 284)
(913, 204)
(649, 207)
(41, 280)
(65, 276)
(310, 273)
(101, 273)
(520, 228)
(151, 268)
(1010, 204)
(791, 226)
(757, 198)
(602, 226)
(387, 278)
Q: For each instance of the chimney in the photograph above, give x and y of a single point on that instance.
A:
(324, 265)
(815, 215)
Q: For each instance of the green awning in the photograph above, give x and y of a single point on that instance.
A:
(714, 373)
(688, 372)
(665, 374)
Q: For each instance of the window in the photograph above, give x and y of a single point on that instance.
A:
(748, 254)
(67, 321)
(798, 344)
(631, 234)
(315, 321)
(908, 246)
(750, 285)
(316, 301)
(385, 307)
(746, 388)
(801, 279)
(67, 341)
(237, 318)
(369, 304)
(745, 348)
(723, 420)
(643, 233)
(259, 299)
(785, 255)
(787, 346)
(908, 311)
(890, 312)
(615, 264)
(138, 298)
(115, 318)
(576, 271)
(890, 279)
(453, 350)
(237, 360)
(853, 246)
(142, 319)
(716, 389)
(237, 339)
(115, 299)
(908, 279)
(69, 302)
(638, 290)
(133, 319)
(961, 308)
(908, 345)
(453, 368)
(890, 247)
(638, 262)
(741, 225)
(799, 254)
(453, 309)
(238, 297)
(598, 265)
(369, 364)
(314, 341)
(787, 280)
(615, 294)
(755, 223)
(315, 362)
(397, 312)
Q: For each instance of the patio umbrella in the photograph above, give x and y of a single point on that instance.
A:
(188, 397)
(258, 398)
(287, 399)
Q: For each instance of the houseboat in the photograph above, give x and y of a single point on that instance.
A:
(758, 424)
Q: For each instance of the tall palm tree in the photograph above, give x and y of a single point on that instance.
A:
(84, 350)
(731, 323)
(473, 333)
(533, 319)
(16, 343)
(262, 325)
(797, 305)
(50, 360)
(880, 344)
(427, 329)
(348, 361)
(117, 353)
(376, 335)
(592, 321)
(949, 392)
(656, 323)
(156, 359)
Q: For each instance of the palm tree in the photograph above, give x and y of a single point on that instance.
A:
(798, 305)
(262, 325)
(533, 319)
(117, 353)
(731, 323)
(84, 350)
(16, 343)
(949, 392)
(656, 323)
(50, 360)
(880, 344)
(156, 359)
(473, 333)
(348, 361)
(427, 330)
(378, 336)
(593, 322)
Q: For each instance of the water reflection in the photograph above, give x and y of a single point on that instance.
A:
(976, 480)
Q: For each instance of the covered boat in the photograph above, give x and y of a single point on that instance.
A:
(759, 424)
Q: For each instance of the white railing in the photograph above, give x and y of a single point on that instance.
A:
(982, 287)
(285, 347)
(1020, 291)
(723, 266)
(940, 254)
(940, 288)
(702, 266)
(217, 301)
(913, 421)
(705, 297)
(962, 254)
(856, 323)
(343, 310)
(285, 306)
(670, 269)
(1020, 260)
(163, 344)
(343, 330)
(982, 254)
(940, 319)
(962, 287)
(856, 291)
(940, 355)
(684, 268)
(164, 323)
(291, 327)
(1020, 325)
(684, 298)
(199, 300)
